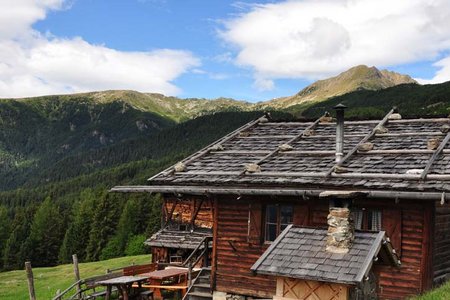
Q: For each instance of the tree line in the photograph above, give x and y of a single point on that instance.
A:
(99, 225)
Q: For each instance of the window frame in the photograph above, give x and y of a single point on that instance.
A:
(277, 222)
(365, 218)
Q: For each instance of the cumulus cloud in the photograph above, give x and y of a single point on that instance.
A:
(34, 64)
(443, 73)
(314, 39)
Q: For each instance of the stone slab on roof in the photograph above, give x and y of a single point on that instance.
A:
(178, 239)
(395, 153)
(300, 253)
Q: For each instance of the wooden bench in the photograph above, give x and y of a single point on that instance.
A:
(139, 269)
(146, 295)
(91, 284)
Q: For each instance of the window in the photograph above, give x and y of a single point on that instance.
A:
(278, 217)
(367, 219)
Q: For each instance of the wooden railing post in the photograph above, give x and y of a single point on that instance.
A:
(76, 270)
(206, 253)
(30, 280)
(190, 274)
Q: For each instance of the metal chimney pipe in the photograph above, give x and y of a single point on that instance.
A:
(340, 108)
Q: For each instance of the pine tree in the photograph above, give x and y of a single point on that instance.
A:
(106, 214)
(5, 228)
(77, 235)
(42, 245)
(128, 226)
(13, 256)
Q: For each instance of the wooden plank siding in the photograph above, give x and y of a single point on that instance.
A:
(186, 207)
(441, 261)
(237, 247)
(412, 276)
(236, 254)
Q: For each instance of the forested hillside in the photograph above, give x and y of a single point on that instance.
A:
(412, 100)
(66, 208)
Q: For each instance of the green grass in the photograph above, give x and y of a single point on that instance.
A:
(13, 284)
(441, 293)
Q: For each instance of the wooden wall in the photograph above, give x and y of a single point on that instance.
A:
(441, 261)
(238, 246)
(187, 207)
(412, 277)
(235, 254)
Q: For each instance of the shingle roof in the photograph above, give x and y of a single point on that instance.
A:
(300, 253)
(178, 239)
(395, 155)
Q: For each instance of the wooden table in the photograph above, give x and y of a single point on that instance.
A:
(123, 284)
(157, 279)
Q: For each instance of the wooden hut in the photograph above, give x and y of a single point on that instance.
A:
(392, 174)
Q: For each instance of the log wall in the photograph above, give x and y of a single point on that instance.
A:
(408, 222)
(235, 254)
(441, 261)
(412, 277)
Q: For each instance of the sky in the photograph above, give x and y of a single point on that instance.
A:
(246, 50)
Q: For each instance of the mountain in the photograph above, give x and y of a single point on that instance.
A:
(355, 79)
(412, 100)
(170, 107)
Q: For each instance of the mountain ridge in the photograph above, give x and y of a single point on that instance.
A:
(357, 78)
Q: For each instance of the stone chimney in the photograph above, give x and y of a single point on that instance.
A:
(340, 108)
(341, 230)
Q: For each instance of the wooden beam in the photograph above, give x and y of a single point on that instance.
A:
(169, 217)
(281, 191)
(433, 158)
(293, 139)
(365, 139)
(380, 135)
(194, 215)
(207, 149)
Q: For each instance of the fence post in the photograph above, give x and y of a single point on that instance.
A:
(30, 280)
(76, 270)
(58, 294)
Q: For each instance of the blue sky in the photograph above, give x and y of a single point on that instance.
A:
(247, 50)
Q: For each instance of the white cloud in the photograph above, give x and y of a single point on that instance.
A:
(262, 84)
(317, 38)
(33, 64)
(443, 73)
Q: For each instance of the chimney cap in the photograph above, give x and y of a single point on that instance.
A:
(340, 106)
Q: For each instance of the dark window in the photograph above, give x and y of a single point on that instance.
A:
(367, 219)
(278, 217)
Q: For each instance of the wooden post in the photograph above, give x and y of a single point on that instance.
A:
(190, 274)
(206, 254)
(76, 270)
(30, 280)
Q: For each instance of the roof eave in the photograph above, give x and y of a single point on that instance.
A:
(278, 191)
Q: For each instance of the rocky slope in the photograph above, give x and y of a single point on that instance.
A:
(357, 78)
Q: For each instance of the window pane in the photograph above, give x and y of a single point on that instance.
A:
(374, 219)
(358, 219)
(271, 214)
(271, 232)
(286, 213)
